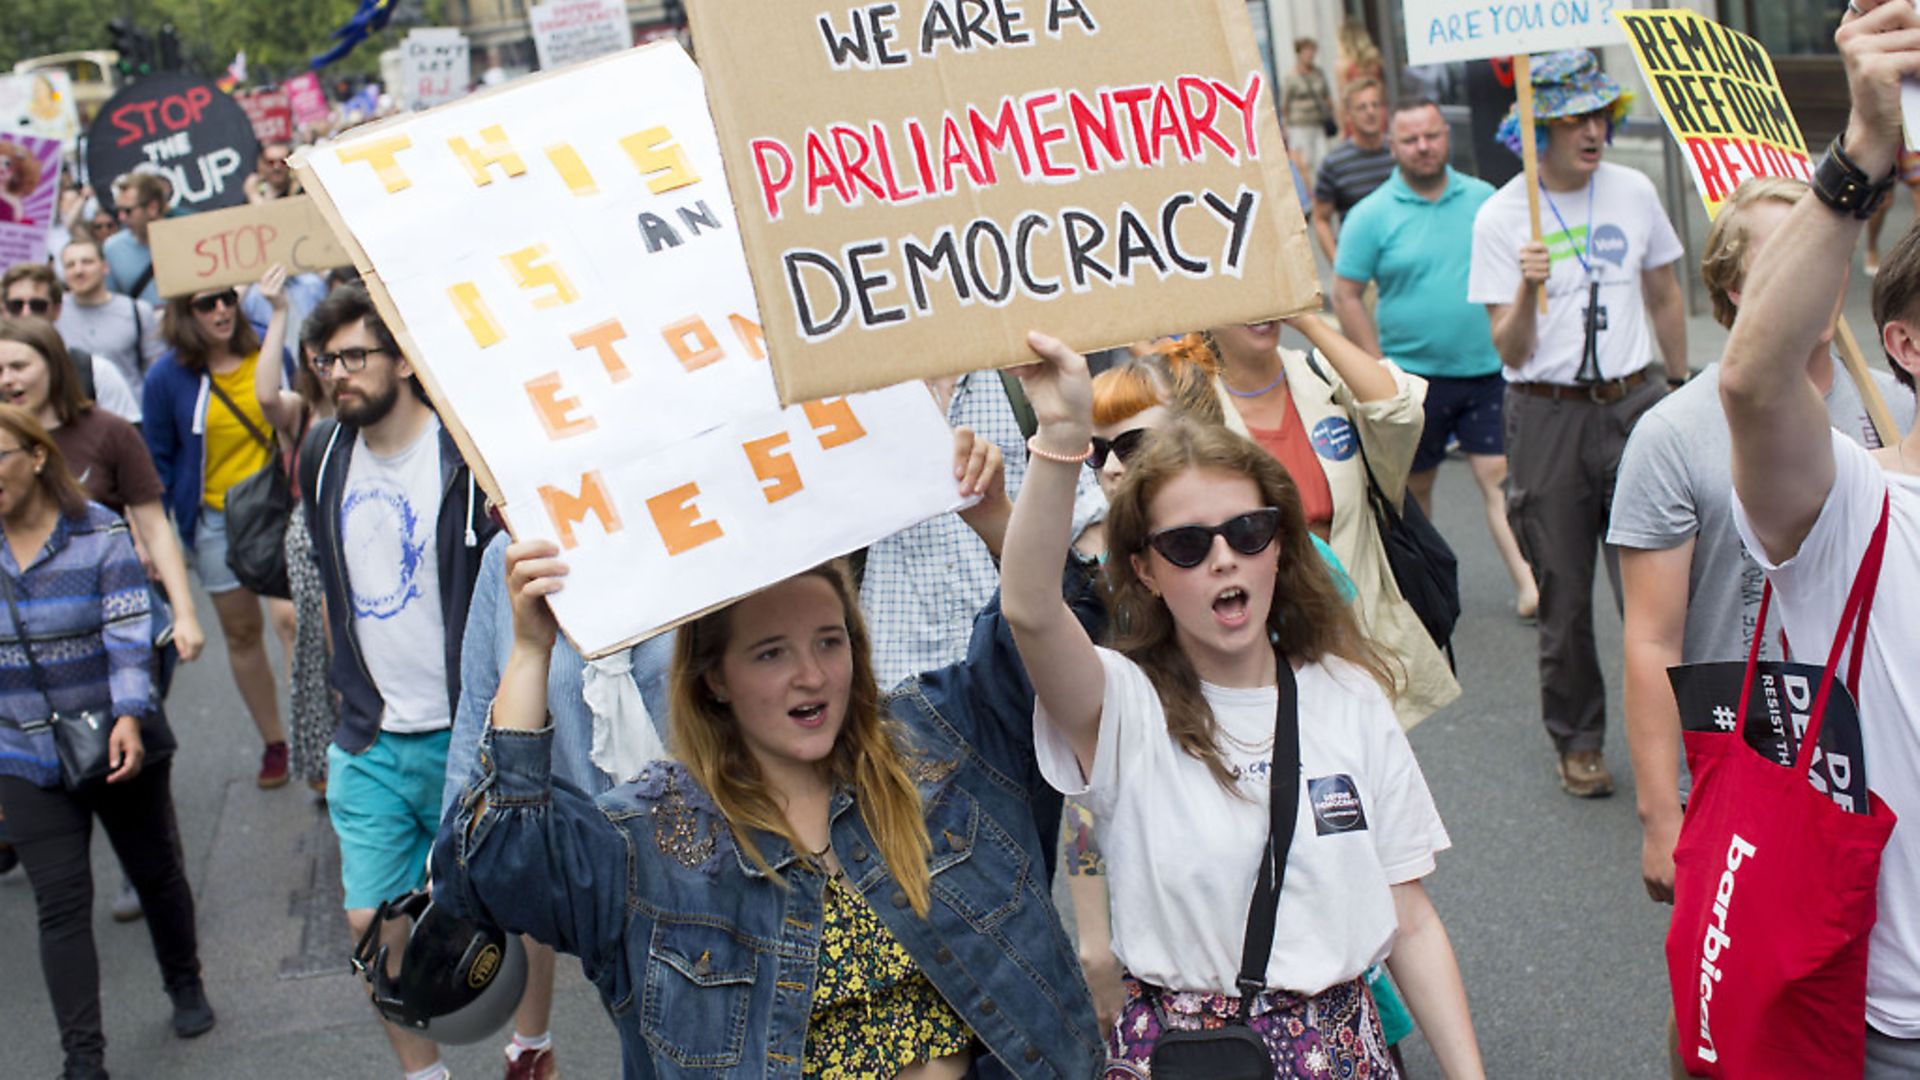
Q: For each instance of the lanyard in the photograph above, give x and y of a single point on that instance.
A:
(1579, 250)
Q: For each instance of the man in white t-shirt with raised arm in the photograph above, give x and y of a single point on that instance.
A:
(1807, 499)
(1578, 376)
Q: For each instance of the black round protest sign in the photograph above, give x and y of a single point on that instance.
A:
(198, 136)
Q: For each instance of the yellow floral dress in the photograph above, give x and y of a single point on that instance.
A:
(874, 1012)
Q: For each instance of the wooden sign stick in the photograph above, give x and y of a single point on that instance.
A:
(1529, 153)
(1856, 364)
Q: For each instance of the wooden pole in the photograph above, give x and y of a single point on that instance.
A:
(1529, 153)
(1856, 363)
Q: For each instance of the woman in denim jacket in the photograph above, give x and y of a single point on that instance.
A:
(826, 883)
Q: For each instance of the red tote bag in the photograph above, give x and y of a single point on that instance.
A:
(1774, 892)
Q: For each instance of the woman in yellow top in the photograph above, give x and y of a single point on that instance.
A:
(203, 424)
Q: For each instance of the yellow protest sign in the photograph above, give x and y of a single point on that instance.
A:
(1719, 94)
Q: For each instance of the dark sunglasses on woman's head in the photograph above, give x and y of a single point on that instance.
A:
(1186, 546)
(1121, 446)
(205, 304)
(35, 304)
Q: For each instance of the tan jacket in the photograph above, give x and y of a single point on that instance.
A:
(1390, 429)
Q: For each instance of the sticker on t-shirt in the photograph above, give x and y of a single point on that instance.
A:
(1610, 244)
(1333, 439)
(1336, 805)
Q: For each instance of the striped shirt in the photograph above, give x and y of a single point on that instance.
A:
(85, 604)
(1349, 174)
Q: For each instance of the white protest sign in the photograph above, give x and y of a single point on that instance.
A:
(1440, 31)
(433, 67)
(569, 31)
(596, 349)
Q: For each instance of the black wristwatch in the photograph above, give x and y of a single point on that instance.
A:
(1843, 186)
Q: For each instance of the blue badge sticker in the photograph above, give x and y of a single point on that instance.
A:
(1334, 440)
(1336, 805)
(1610, 243)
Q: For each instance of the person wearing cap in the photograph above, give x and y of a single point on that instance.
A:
(1579, 375)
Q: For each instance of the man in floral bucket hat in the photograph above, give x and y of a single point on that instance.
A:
(1578, 376)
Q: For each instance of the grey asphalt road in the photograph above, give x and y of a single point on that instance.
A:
(1560, 947)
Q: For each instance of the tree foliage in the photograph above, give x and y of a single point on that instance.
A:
(278, 36)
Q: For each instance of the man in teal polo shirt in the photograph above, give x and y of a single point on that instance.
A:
(1414, 238)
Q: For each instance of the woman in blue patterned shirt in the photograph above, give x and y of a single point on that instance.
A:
(70, 570)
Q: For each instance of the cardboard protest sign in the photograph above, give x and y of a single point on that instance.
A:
(1778, 712)
(29, 190)
(306, 98)
(196, 252)
(199, 137)
(1718, 93)
(1441, 31)
(40, 104)
(569, 31)
(560, 261)
(270, 112)
(434, 67)
(953, 175)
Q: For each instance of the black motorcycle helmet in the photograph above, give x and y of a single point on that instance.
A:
(459, 981)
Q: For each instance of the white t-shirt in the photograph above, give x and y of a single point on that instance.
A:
(1621, 232)
(389, 516)
(1810, 591)
(1182, 852)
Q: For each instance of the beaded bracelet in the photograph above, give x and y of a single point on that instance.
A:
(1064, 459)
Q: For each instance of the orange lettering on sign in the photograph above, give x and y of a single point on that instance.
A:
(473, 311)
(566, 161)
(566, 509)
(750, 335)
(600, 338)
(531, 269)
(692, 343)
(779, 476)
(556, 412)
(379, 153)
(677, 517)
(494, 149)
(833, 422)
(655, 155)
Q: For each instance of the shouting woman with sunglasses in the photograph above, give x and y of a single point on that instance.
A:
(204, 426)
(1171, 739)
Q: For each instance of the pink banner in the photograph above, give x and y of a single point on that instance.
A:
(271, 113)
(306, 99)
(29, 188)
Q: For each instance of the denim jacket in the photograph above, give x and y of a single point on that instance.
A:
(708, 966)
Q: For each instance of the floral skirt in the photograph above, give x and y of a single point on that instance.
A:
(314, 715)
(1333, 1035)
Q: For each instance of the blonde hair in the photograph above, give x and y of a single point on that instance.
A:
(1356, 44)
(865, 757)
(1308, 619)
(1724, 266)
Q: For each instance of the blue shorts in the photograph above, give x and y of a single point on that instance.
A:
(1464, 409)
(385, 806)
(210, 552)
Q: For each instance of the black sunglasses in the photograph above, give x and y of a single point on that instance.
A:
(1186, 546)
(36, 305)
(1120, 446)
(353, 358)
(205, 304)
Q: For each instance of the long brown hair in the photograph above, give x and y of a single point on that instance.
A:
(191, 343)
(1308, 620)
(63, 384)
(865, 757)
(54, 480)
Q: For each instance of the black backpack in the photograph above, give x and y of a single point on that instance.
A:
(83, 370)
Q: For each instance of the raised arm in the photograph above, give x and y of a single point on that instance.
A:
(281, 405)
(1516, 326)
(1782, 457)
(1361, 370)
(1059, 656)
(1350, 307)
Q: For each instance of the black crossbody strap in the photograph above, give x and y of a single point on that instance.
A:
(26, 644)
(214, 385)
(1283, 793)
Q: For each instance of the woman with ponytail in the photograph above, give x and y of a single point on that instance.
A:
(825, 881)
